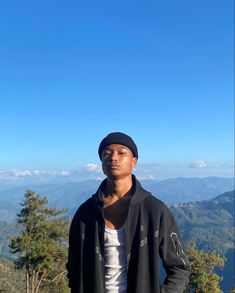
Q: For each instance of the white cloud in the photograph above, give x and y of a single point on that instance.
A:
(199, 164)
(5, 176)
(93, 167)
(65, 173)
(89, 171)
(22, 173)
(39, 173)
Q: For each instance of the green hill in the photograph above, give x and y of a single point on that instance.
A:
(210, 224)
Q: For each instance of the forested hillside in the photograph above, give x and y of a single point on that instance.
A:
(11, 279)
(210, 224)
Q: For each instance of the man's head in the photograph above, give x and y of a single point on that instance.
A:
(118, 154)
(118, 138)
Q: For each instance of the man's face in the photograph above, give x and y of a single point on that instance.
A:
(117, 161)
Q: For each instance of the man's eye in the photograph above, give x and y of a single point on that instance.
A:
(122, 152)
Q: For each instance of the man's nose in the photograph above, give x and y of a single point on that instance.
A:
(114, 155)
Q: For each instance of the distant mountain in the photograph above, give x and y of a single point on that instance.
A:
(71, 195)
(179, 190)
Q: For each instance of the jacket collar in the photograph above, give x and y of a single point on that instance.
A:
(139, 193)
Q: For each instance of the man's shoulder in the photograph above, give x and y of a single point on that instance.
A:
(87, 203)
(149, 199)
(85, 208)
(153, 202)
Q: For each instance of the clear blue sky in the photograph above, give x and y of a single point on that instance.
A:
(73, 71)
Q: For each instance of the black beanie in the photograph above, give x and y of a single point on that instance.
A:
(118, 138)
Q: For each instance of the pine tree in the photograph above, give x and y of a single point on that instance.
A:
(203, 278)
(41, 247)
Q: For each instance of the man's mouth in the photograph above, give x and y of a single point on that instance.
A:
(113, 166)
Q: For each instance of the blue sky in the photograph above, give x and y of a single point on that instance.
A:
(73, 71)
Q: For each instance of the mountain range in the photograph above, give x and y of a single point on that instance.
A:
(208, 222)
(71, 195)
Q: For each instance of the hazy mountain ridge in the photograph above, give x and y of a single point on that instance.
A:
(190, 189)
(71, 195)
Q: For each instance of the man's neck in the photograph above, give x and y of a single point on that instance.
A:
(118, 187)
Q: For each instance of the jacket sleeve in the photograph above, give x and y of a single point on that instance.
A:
(75, 254)
(174, 258)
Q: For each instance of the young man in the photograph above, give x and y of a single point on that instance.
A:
(119, 236)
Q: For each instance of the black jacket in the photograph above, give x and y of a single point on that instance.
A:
(151, 236)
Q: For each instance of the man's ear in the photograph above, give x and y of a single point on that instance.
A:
(134, 162)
